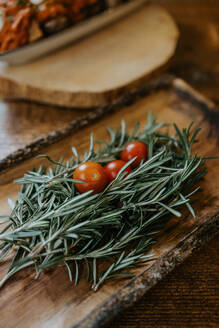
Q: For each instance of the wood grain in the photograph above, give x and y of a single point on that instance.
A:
(22, 123)
(97, 70)
(69, 123)
(195, 60)
(62, 304)
(187, 297)
(196, 57)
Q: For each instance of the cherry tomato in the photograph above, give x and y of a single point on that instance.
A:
(94, 176)
(113, 168)
(133, 149)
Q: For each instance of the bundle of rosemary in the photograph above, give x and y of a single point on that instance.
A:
(52, 224)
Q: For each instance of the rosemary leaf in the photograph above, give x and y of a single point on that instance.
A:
(52, 224)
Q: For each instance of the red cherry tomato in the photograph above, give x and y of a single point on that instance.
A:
(133, 149)
(113, 168)
(94, 176)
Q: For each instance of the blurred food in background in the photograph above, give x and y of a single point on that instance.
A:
(25, 21)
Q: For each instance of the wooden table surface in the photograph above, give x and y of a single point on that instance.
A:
(189, 297)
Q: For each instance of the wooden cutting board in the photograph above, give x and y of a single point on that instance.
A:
(52, 301)
(98, 69)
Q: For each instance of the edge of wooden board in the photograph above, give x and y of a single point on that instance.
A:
(96, 114)
(166, 81)
(15, 87)
(133, 291)
(84, 100)
(138, 286)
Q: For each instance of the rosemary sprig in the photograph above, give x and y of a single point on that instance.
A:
(52, 224)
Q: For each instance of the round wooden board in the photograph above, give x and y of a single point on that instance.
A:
(98, 69)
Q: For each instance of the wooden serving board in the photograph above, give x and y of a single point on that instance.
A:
(52, 301)
(98, 69)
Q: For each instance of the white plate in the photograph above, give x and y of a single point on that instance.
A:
(48, 44)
